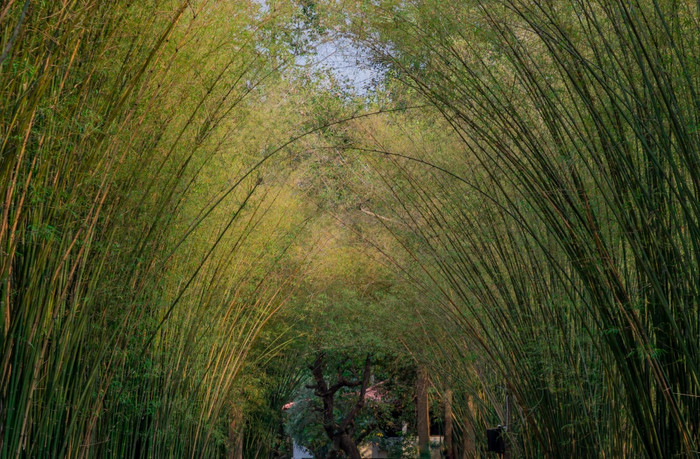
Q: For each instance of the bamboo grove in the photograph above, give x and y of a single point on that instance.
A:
(527, 171)
(563, 231)
(129, 303)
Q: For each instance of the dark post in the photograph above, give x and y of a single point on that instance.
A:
(422, 414)
(506, 454)
(449, 447)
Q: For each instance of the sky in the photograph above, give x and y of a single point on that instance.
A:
(349, 64)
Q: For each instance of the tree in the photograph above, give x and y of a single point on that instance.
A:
(354, 396)
(343, 433)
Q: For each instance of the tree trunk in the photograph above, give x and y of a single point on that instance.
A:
(235, 436)
(449, 447)
(468, 448)
(422, 415)
(347, 444)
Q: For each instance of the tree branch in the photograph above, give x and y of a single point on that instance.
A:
(350, 418)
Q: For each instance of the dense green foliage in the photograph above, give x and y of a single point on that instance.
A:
(566, 224)
(137, 263)
(191, 210)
